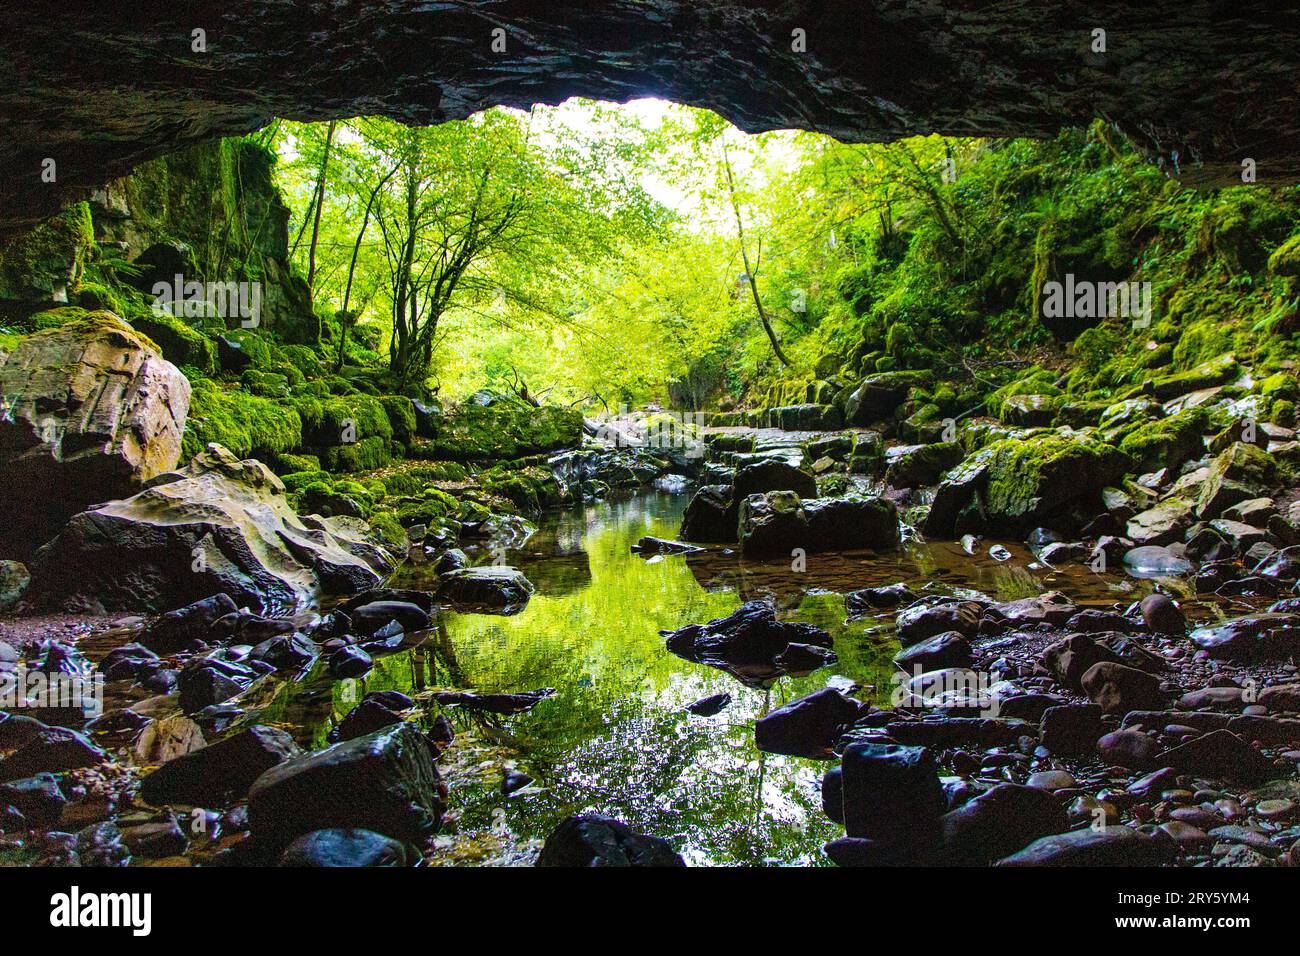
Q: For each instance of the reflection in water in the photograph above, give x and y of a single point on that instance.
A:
(616, 738)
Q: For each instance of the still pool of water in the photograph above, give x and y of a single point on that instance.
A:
(615, 737)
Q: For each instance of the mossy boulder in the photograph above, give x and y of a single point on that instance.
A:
(879, 395)
(401, 416)
(913, 465)
(505, 431)
(180, 342)
(1216, 371)
(1033, 481)
(366, 454)
(1167, 442)
(247, 425)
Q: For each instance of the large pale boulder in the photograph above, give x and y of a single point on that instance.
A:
(219, 526)
(92, 411)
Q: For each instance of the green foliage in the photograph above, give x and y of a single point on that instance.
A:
(249, 426)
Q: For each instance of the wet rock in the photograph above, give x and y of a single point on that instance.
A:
(93, 412)
(943, 650)
(651, 545)
(1071, 729)
(866, 599)
(1028, 707)
(52, 750)
(761, 477)
(851, 524)
(1093, 621)
(385, 782)
(188, 627)
(997, 823)
(155, 840)
(1283, 697)
(207, 681)
(127, 662)
(1051, 780)
(38, 798)
(1050, 608)
(958, 731)
(746, 643)
(219, 526)
(495, 703)
(346, 847)
(1128, 748)
(350, 661)
(1153, 561)
(711, 516)
(708, 706)
(18, 729)
(286, 651)
(921, 622)
(879, 395)
(1071, 657)
(891, 793)
(807, 727)
(1250, 637)
(857, 851)
(804, 658)
(592, 840)
(1117, 688)
(961, 491)
(1220, 753)
(453, 559)
(772, 524)
(167, 738)
(221, 773)
(369, 618)
(911, 466)
(1238, 474)
(1281, 565)
(1109, 846)
(514, 781)
(368, 716)
(1162, 615)
(495, 590)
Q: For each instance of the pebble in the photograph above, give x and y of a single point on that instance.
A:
(1274, 809)
(1051, 780)
(1184, 834)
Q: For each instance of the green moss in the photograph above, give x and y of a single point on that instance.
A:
(246, 424)
(1028, 479)
(50, 258)
(504, 431)
(1168, 442)
(401, 416)
(386, 525)
(1285, 260)
(429, 509)
(366, 454)
(180, 342)
(287, 464)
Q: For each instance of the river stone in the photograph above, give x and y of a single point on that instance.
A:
(187, 627)
(1071, 729)
(368, 716)
(997, 823)
(94, 412)
(772, 524)
(1155, 561)
(911, 466)
(1219, 753)
(1162, 615)
(369, 618)
(890, 792)
(807, 727)
(591, 840)
(53, 750)
(761, 477)
(711, 516)
(1070, 658)
(38, 798)
(218, 526)
(943, 650)
(1109, 846)
(221, 773)
(1128, 748)
(1250, 637)
(346, 848)
(863, 600)
(745, 643)
(1117, 688)
(1283, 697)
(495, 589)
(923, 621)
(385, 782)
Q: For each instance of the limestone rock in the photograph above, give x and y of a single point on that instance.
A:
(93, 412)
(218, 526)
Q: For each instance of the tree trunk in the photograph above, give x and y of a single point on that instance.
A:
(320, 203)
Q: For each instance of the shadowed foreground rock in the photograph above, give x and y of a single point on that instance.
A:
(93, 411)
(385, 782)
(219, 526)
(593, 840)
